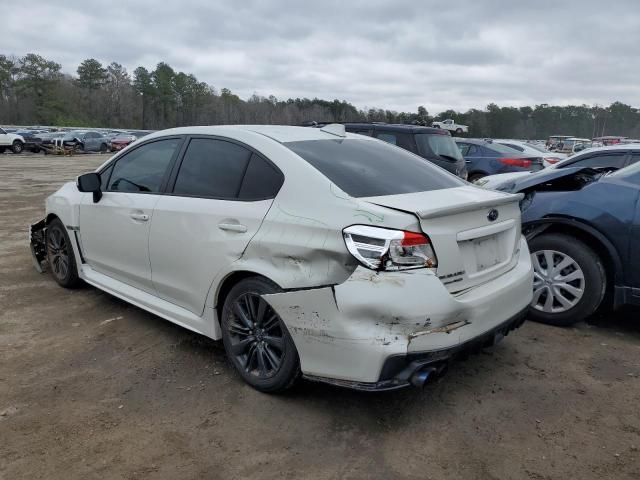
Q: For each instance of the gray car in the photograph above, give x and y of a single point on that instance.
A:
(88, 140)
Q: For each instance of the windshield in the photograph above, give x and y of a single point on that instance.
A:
(366, 168)
(441, 145)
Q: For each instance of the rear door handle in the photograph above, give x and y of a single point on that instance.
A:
(141, 217)
(232, 227)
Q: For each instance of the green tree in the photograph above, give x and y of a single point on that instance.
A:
(91, 74)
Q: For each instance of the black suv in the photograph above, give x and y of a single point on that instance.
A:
(433, 144)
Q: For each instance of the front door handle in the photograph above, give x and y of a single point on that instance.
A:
(232, 227)
(141, 217)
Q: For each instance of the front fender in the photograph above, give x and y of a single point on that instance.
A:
(65, 204)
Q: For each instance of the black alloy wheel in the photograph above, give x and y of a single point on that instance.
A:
(256, 339)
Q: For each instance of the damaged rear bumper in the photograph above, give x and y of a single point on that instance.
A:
(37, 242)
(376, 330)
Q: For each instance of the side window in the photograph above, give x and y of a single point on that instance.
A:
(143, 169)
(616, 161)
(634, 158)
(406, 141)
(474, 151)
(387, 137)
(104, 177)
(464, 148)
(211, 169)
(489, 152)
(362, 132)
(2, 132)
(261, 181)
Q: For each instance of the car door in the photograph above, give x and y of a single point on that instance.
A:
(219, 194)
(114, 232)
(90, 141)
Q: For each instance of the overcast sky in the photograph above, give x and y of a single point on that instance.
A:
(395, 54)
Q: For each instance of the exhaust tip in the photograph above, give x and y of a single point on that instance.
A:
(421, 377)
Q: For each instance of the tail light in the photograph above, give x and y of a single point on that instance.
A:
(552, 160)
(385, 249)
(516, 162)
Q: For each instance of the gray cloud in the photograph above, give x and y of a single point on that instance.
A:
(395, 55)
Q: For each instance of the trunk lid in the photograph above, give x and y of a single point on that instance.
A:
(475, 233)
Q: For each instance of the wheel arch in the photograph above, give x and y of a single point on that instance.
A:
(588, 235)
(227, 283)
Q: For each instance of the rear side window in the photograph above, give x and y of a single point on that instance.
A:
(262, 180)
(441, 145)
(143, 169)
(363, 168)
(211, 169)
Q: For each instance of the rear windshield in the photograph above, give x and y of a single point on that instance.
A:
(365, 168)
(441, 145)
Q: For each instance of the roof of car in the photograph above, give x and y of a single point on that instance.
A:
(279, 133)
(609, 148)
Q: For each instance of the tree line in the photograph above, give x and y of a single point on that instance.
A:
(35, 91)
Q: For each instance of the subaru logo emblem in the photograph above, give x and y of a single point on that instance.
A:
(492, 215)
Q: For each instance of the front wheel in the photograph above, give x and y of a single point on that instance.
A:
(569, 280)
(256, 339)
(17, 147)
(60, 255)
(103, 148)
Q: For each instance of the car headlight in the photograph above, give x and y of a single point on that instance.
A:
(386, 249)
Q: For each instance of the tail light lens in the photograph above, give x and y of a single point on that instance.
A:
(385, 249)
(552, 160)
(516, 162)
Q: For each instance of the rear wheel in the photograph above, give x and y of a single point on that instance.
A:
(17, 146)
(256, 339)
(458, 131)
(60, 255)
(103, 148)
(569, 280)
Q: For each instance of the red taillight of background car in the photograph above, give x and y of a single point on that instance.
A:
(552, 160)
(516, 162)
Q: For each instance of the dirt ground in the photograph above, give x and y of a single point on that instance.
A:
(92, 388)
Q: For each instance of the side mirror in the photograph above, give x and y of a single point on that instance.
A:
(90, 182)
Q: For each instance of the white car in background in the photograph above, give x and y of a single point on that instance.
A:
(548, 158)
(452, 126)
(11, 141)
(308, 251)
(614, 156)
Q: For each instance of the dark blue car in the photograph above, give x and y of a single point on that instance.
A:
(484, 157)
(582, 225)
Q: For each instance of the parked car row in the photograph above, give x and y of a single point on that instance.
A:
(37, 140)
(351, 253)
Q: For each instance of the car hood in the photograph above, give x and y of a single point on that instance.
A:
(518, 184)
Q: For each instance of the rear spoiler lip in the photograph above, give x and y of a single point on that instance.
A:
(494, 202)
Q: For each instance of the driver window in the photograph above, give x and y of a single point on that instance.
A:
(143, 169)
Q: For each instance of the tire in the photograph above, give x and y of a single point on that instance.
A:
(60, 255)
(260, 348)
(103, 148)
(17, 147)
(2, 149)
(475, 176)
(584, 276)
(458, 131)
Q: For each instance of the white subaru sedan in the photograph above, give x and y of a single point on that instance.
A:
(310, 252)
